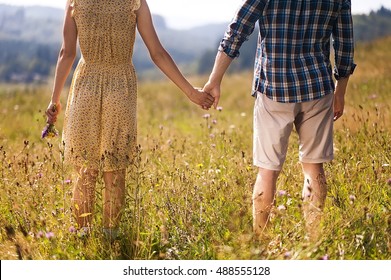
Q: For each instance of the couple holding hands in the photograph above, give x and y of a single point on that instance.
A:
(293, 86)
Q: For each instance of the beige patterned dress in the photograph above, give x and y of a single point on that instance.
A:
(100, 126)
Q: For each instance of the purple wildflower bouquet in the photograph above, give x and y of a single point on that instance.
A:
(50, 130)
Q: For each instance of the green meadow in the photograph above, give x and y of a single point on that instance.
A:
(189, 190)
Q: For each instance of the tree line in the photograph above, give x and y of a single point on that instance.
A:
(29, 47)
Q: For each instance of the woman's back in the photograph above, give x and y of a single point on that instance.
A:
(106, 30)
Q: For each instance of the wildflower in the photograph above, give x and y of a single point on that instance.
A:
(72, 229)
(206, 116)
(40, 234)
(69, 181)
(49, 131)
(214, 121)
(84, 232)
(212, 135)
(325, 257)
(219, 109)
(389, 182)
(288, 255)
(282, 193)
(352, 198)
(213, 146)
(49, 235)
(281, 207)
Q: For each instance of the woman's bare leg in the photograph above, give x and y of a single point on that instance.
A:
(84, 196)
(114, 198)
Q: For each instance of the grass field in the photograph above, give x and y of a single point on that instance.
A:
(189, 192)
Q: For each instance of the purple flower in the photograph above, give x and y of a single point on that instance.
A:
(214, 121)
(219, 108)
(325, 257)
(49, 131)
(206, 116)
(40, 234)
(72, 229)
(281, 207)
(49, 235)
(68, 181)
(282, 193)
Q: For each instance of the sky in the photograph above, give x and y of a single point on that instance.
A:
(184, 14)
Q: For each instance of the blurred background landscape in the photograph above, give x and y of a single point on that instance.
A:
(30, 38)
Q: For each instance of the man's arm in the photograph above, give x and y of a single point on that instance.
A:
(343, 43)
(237, 33)
(221, 65)
(339, 97)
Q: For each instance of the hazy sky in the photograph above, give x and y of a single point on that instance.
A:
(182, 14)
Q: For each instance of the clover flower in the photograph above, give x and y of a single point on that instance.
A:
(282, 193)
(49, 235)
(281, 207)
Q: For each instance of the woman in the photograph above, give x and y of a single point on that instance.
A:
(100, 119)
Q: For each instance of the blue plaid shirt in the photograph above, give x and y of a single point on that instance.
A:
(293, 55)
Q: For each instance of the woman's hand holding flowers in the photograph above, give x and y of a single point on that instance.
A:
(52, 112)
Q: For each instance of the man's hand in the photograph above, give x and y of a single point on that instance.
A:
(201, 98)
(339, 97)
(214, 91)
(339, 104)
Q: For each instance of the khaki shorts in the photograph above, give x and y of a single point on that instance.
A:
(273, 124)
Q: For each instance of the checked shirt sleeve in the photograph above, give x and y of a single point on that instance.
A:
(343, 42)
(241, 27)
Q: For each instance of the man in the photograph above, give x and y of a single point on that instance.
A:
(293, 85)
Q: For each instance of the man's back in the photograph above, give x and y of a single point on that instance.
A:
(292, 63)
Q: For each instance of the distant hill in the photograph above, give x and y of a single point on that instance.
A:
(26, 30)
(34, 24)
(30, 38)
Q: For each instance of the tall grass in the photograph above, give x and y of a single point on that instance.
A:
(189, 191)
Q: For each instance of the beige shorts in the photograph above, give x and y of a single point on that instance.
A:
(273, 124)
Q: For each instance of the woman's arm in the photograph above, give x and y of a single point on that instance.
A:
(163, 60)
(64, 63)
